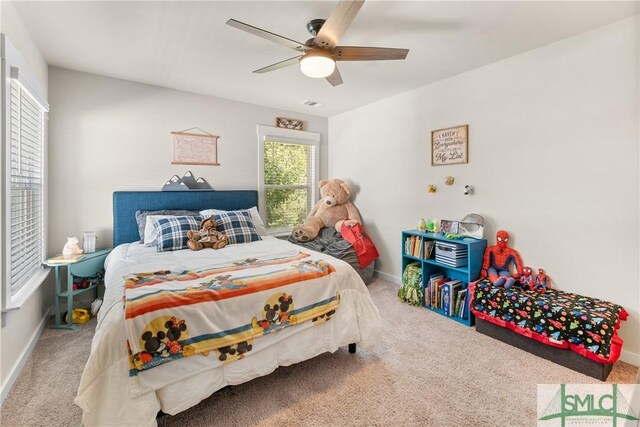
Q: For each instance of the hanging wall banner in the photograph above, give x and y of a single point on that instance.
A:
(195, 149)
(450, 146)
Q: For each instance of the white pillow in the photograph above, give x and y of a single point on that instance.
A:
(255, 218)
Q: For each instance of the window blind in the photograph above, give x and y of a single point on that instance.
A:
(289, 181)
(26, 193)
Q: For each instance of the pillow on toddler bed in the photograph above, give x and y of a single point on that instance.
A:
(172, 231)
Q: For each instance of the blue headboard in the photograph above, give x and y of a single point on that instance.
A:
(126, 203)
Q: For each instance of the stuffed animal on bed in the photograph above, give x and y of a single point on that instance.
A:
(542, 282)
(527, 277)
(207, 237)
(497, 260)
(332, 210)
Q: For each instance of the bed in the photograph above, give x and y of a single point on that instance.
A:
(120, 387)
(572, 330)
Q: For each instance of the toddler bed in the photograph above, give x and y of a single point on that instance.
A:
(176, 326)
(562, 321)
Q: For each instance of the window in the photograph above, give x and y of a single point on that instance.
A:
(24, 186)
(288, 176)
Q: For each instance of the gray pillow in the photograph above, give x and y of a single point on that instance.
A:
(141, 217)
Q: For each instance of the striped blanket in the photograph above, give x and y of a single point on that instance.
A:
(222, 309)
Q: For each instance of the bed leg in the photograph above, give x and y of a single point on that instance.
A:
(352, 348)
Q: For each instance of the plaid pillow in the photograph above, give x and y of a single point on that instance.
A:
(141, 218)
(172, 231)
(237, 225)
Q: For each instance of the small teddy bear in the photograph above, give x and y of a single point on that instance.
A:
(207, 237)
(72, 247)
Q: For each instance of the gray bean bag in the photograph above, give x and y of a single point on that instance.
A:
(330, 242)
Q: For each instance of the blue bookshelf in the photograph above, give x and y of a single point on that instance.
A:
(468, 273)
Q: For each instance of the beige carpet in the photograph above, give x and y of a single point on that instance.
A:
(428, 370)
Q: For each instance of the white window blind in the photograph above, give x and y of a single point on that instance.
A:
(27, 129)
(290, 171)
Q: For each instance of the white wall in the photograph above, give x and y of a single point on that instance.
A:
(553, 144)
(21, 328)
(107, 134)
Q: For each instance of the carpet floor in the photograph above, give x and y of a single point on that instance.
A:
(427, 371)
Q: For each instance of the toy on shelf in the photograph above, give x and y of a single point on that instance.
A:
(497, 260)
(422, 225)
(432, 226)
(449, 228)
(542, 282)
(472, 225)
(80, 282)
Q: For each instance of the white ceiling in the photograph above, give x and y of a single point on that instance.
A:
(186, 45)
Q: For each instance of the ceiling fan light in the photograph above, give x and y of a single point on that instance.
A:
(317, 65)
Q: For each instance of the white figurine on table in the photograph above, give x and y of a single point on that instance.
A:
(72, 247)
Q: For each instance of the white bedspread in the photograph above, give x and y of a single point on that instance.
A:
(106, 392)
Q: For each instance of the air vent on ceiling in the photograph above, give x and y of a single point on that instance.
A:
(311, 103)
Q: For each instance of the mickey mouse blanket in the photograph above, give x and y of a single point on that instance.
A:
(219, 311)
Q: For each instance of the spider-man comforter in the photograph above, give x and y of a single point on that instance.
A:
(586, 325)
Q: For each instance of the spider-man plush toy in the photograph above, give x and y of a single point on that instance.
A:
(497, 259)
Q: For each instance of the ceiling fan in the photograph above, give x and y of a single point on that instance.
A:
(318, 55)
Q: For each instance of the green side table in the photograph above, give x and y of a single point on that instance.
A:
(86, 265)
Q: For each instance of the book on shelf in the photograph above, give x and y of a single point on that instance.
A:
(458, 302)
(413, 246)
(462, 310)
(435, 288)
(449, 291)
(465, 306)
(429, 288)
(428, 248)
(63, 259)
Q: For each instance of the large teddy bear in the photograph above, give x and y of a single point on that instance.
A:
(332, 210)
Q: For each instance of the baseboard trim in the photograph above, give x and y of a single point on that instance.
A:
(22, 360)
(388, 277)
(629, 357)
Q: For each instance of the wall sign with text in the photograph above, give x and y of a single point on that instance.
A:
(450, 146)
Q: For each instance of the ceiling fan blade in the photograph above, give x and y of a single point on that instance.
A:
(278, 65)
(337, 23)
(335, 78)
(292, 44)
(361, 53)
